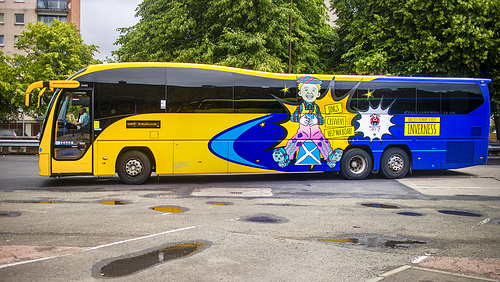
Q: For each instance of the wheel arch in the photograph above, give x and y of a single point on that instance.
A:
(144, 150)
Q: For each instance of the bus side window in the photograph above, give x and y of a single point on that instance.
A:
(460, 98)
(253, 94)
(116, 101)
(429, 98)
(400, 97)
(199, 90)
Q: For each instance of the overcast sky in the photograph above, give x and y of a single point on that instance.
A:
(100, 19)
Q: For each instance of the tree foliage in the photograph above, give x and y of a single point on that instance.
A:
(420, 37)
(51, 53)
(239, 33)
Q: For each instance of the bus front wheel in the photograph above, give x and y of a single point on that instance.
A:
(395, 163)
(134, 167)
(356, 164)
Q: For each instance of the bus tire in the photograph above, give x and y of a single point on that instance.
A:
(134, 167)
(356, 164)
(394, 163)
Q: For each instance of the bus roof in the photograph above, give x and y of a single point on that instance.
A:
(387, 78)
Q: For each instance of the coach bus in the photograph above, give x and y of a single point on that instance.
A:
(174, 118)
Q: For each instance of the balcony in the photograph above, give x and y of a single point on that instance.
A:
(52, 5)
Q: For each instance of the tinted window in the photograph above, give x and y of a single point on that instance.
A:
(429, 98)
(343, 87)
(200, 91)
(460, 98)
(400, 97)
(255, 94)
(448, 98)
(116, 101)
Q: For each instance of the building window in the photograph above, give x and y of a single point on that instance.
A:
(19, 18)
(1, 40)
(19, 1)
(48, 19)
(16, 37)
(2, 18)
(52, 4)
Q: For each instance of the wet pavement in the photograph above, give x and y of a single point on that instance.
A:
(210, 229)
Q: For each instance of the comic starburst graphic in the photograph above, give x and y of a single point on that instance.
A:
(375, 123)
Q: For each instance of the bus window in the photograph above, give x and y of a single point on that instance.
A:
(460, 98)
(199, 90)
(73, 125)
(253, 94)
(343, 87)
(429, 98)
(116, 101)
(400, 97)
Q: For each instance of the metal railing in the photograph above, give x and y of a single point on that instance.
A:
(19, 142)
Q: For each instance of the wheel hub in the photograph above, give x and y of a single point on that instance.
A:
(357, 164)
(396, 163)
(133, 167)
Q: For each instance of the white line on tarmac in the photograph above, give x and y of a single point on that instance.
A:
(29, 261)
(98, 247)
(140, 238)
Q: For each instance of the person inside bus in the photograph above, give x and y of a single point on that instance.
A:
(84, 118)
(309, 117)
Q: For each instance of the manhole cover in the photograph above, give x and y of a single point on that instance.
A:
(232, 192)
(264, 218)
(135, 263)
(460, 213)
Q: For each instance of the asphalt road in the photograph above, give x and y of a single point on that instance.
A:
(431, 225)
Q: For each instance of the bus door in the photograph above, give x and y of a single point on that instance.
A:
(72, 132)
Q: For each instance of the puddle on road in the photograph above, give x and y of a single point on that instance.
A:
(264, 218)
(130, 265)
(169, 209)
(375, 241)
(342, 240)
(220, 203)
(281, 205)
(39, 202)
(380, 206)
(112, 202)
(410, 213)
(9, 214)
(460, 213)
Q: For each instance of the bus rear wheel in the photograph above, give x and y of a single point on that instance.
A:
(395, 163)
(134, 167)
(356, 164)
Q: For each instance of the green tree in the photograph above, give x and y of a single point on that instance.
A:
(420, 37)
(8, 76)
(239, 33)
(52, 52)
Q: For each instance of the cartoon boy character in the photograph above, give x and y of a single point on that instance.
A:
(309, 117)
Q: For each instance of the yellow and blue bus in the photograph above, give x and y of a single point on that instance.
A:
(174, 118)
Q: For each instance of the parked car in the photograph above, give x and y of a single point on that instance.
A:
(20, 133)
(7, 133)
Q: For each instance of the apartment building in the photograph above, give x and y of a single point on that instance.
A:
(16, 14)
